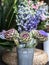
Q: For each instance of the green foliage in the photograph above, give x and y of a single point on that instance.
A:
(41, 25)
(7, 15)
(7, 44)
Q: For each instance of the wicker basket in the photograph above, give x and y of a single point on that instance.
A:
(40, 57)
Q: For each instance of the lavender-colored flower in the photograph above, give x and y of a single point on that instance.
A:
(28, 23)
(43, 33)
(19, 28)
(2, 36)
(43, 17)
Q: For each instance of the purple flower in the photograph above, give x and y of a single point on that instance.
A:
(29, 23)
(43, 17)
(2, 34)
(43, 33)
(19, 28)
(24, 36)
(29, 18)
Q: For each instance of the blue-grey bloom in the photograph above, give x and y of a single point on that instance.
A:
(43, 33)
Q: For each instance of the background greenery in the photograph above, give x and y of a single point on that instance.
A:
(7, 15)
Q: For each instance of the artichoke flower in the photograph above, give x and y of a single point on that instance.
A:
(39, 35)
(24, 37)
(10, 34)
(42, 35)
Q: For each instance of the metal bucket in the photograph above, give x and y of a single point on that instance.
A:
(25, 56)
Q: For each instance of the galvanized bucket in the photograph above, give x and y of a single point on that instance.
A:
(25, 56)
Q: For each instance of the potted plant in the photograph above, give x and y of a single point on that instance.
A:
(33, 18)
(26, 19)
(25, 42)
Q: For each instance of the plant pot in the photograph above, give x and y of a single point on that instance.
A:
(25, 56)
(46, 46)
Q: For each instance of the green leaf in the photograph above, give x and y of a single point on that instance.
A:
(41, 25)
(7, 15)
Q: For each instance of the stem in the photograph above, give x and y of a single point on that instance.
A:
(9, 11)
(13, 12)
(38, 0)
(11, 20)
(16, 42)
(11, 8)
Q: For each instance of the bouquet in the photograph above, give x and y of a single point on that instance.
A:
(29, 15)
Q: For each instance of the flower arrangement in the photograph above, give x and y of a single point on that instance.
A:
(31, 14)
(25, 39)
(28, 16)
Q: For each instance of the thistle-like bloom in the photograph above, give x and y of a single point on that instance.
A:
(10, 34)
(42, 35)
(24, 37)
(39, 35)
